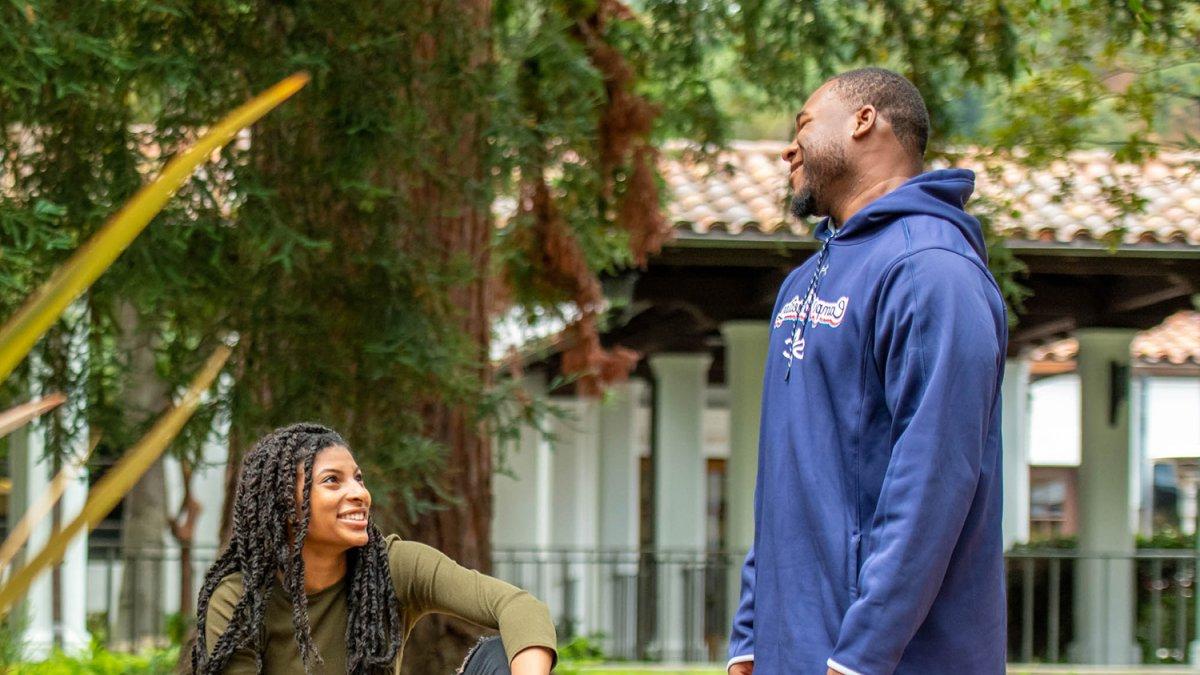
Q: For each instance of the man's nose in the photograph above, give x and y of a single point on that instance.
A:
(789, 153)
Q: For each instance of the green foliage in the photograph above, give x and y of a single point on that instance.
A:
(12, 628)
(582, 648)
(1099, 75)
(82, 86)
(97, 626)
(585, 668)
(316, 252)
(1168, 538)
(1059, 542)
(178, 626)
(1096, 78)
(99, 661)
(350, 244)
(1005, 267)
(1161, 539)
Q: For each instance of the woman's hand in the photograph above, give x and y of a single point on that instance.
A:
(533, 661)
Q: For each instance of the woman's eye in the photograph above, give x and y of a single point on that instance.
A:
(330, 479)
(359, 478)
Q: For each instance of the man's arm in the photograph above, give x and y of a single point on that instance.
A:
(741, 639)
(939, 344)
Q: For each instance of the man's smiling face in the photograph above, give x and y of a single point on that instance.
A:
(816, 156)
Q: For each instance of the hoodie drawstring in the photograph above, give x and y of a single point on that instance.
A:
(805, 310)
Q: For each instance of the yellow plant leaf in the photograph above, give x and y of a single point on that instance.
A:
(119, 480)
(16, 417)
(47, 303)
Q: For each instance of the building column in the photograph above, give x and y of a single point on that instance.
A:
(1104, 595)
(73, 635)
(746, 345)
(1194, 647)
(29, 470)
(171, 572)
(620, 516)
(1015, 433)
(574, 520)
(681, 381)
(1144, 496)
(619, 467)
(1187, 507)
(521, 486)
(574, 462)
(73, 580)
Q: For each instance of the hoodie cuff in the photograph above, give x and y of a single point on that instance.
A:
(840, 668)
(738, 659)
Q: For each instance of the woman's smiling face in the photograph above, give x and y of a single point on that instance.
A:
(340, 503)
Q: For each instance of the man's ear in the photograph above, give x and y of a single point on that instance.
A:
(864, 121)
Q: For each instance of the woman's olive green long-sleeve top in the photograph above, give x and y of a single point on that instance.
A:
(426, 581)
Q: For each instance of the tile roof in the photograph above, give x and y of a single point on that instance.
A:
(1175, 341)
(742, 190)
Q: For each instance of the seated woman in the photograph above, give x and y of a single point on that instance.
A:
(309, 585)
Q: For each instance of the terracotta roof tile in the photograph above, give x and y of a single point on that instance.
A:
(1175, 341)
(744, 187)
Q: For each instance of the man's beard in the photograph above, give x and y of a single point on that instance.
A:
(821, 171)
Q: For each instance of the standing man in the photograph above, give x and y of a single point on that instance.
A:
(877, 544)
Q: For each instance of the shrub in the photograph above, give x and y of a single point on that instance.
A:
(97, 660)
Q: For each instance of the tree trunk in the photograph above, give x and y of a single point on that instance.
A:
(461, 530)
(462, 229)
(143, 523)
(427, 240)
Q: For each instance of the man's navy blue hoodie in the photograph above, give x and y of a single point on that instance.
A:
(877, 542)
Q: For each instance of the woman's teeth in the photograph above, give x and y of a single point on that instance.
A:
(354, 516)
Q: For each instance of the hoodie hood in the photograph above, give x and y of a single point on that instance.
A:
(941, 194)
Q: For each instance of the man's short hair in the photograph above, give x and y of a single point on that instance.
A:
(894, 97)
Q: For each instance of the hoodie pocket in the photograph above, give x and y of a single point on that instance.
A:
(853, 557)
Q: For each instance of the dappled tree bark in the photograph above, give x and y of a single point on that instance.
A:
(457, 229)
(387, 265)
(461, 528)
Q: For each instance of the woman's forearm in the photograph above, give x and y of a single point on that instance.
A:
(532, 661)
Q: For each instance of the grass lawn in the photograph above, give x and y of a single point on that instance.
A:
(646, 669)
(608, 671)
(639, 669)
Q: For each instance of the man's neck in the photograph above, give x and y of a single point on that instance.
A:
(865, 191)
(879, 172)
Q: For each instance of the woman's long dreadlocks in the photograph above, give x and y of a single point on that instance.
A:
(264, 514)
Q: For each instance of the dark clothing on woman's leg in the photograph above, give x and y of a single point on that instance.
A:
(487, 657)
